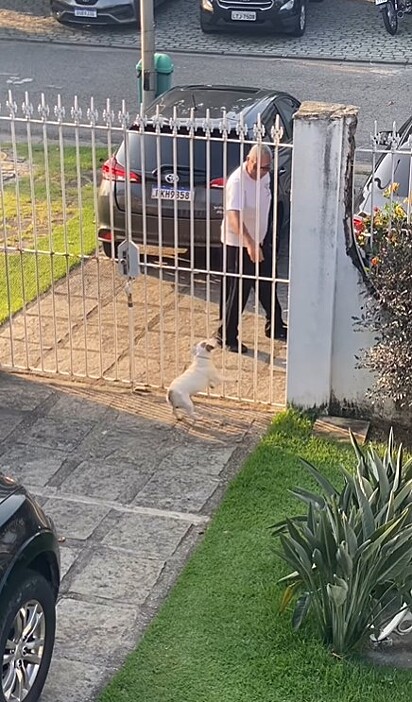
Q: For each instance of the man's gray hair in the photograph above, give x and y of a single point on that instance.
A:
(259, 150)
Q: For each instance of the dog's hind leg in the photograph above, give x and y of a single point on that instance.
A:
(177, 413)
(189, 408)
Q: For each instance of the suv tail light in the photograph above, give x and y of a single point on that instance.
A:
(217, 183)
(105, 235)
(113, 170)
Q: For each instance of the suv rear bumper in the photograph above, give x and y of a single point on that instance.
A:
(183, 238)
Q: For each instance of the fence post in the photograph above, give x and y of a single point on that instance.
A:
(325, 285)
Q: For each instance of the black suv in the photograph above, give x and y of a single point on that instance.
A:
(279, 15)
(29, 584)
(172, 181)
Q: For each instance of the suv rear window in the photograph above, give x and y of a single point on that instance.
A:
(198, 100)
(166, 153)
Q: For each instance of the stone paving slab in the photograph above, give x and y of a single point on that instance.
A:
(338, 428)
(87, 626)
(184, 493)
(344, 30)
(37, 465)
(125, 477)
(154, 537)
(123, 576)
(130, 491)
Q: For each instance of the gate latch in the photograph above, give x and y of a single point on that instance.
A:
(129, 259)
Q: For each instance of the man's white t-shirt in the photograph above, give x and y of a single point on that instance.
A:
(252, 198)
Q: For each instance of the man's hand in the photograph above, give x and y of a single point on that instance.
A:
(255, 252)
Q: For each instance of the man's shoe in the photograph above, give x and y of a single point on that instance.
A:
(236, 348)
(233, 347)
(281, 331)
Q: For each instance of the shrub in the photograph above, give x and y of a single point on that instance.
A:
(386, 239)
(351, 553)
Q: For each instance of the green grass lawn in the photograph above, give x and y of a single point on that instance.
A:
(220, 637)
(32, 228)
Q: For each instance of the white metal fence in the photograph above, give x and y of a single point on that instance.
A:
(73, 181)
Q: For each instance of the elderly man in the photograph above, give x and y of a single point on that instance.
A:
(244, 227)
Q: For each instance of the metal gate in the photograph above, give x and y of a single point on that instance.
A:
(69, 192)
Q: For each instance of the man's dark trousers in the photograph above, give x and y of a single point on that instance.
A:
(229, 298)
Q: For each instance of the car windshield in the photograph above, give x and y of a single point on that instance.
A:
(395, 168)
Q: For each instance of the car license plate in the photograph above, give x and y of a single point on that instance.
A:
(165, 193)
(80, 12)
(243, 16)
(380, 2)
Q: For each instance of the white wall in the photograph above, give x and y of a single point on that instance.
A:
(325, 286)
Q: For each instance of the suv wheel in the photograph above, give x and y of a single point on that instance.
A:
(300, 26)
(27, 630)
(107, 248)
(205, 25)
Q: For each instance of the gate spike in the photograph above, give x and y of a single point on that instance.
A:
(123, 115)
(108, 114)
(92, 113)
(11, 105)
(27, 107)
(43, 108)
(276, 132)
(259, 129)
(59, 110)
(76, 111)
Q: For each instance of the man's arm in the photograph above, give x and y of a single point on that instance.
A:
(234, 222)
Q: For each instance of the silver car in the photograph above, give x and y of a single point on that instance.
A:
(96, 12)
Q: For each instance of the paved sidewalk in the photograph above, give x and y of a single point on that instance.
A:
(130, 491)
(342, 30)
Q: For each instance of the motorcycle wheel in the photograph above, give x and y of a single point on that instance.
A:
(390, 18)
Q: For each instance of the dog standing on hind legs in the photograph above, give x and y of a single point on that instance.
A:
(201, 375)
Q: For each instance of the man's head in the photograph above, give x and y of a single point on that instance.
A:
(258, 161)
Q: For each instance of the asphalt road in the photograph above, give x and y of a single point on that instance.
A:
(379, 90)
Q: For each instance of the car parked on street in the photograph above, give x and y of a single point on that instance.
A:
(29, 584)
(174, 180)
(97, 12)
(279, 15)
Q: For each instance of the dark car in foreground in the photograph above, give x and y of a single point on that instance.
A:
(172, 181)
(97, 12)
(278, 15)
(29, 584)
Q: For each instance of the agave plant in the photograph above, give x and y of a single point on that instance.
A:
(351, 553)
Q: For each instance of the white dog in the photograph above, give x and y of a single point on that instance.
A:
(200, 376)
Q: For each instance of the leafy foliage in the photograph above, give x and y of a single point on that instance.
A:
(351, 553)
(386, 238)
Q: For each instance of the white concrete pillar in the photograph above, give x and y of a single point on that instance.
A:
(325, 286)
